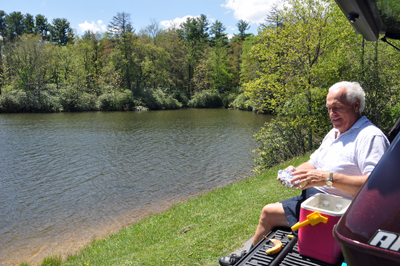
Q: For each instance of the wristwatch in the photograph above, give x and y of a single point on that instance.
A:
(329, 182)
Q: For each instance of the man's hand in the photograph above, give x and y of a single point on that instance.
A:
(289, 168)
(309, 178)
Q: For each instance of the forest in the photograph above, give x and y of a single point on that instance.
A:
(46, 67)
(303, 48)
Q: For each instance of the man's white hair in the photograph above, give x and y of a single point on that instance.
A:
(353, 92)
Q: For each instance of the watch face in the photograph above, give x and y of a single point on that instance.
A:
(329, 183)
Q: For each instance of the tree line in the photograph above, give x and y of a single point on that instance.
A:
(45, 67)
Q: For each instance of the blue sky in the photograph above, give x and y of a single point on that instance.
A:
(96, 15)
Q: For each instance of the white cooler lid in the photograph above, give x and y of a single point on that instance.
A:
(328, 204)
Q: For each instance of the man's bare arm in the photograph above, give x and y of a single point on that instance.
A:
(315, 178)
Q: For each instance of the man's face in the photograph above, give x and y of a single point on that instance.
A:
(343, 115)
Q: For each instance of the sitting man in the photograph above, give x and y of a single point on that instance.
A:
(340, 166)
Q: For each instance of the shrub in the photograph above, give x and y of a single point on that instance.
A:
(241, 102)
(74, 100)
(206, 99)
(158, 100)
(20, 101)
(10, 102)
(116, 101)
(228, 98)
(280, 139)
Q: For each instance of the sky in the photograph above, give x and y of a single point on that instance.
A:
(96, 15)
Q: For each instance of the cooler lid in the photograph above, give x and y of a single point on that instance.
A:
(327, 204)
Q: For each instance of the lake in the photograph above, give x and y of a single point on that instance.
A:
(67, 178)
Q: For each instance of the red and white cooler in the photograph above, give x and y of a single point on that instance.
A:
(317, 241)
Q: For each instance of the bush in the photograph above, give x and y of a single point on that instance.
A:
(206, 99)
(74, 100)
(158, 100)
(116, 101)
(228, 98)
(280, 140)
(20, 101)
(241, 102)
(10, 102)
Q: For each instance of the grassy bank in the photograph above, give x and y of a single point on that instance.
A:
(195, 232)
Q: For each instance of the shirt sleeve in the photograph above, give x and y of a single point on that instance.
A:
(314, 158)
(371, 152)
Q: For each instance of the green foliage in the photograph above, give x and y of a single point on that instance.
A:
(75, 100)
(206, 99)
(241, 102)
(116, 101)
(10, 102)
(228, 98)
(158, 100)
(61, 32)
(18, 101)
(279, 140)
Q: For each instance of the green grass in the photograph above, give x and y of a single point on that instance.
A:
(194, 232)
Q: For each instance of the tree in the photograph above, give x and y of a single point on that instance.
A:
(90, 51)
(121, 25)
(153, 30)
(2, 35)
(121, 28)
(42, 27)
(29, 74)
(29, 24)
(243, 26)
(218, 34)
(14, 25)
(274, 17)
(194, 33)
(60, 31)
(3, 24)
(176, 63)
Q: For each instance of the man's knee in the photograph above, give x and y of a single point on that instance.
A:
(273, 208)
(273, 214)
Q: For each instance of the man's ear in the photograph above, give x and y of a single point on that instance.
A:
(356, 105)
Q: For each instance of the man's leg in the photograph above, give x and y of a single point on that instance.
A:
(272, 215)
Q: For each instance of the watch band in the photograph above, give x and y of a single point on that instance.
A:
(329, 182)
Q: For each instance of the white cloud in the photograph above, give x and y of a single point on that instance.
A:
(94, 27)
(176, 22)
(252, 11)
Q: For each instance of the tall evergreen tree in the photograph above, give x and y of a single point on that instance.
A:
(194, 33)
(14, 25)
(29, 24)
(243, 26)
(42, 27)
(121, 28)
(60, 31)
(218, 34)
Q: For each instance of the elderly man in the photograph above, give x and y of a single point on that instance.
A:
(340, 166)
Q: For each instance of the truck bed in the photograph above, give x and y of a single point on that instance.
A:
(288, 256)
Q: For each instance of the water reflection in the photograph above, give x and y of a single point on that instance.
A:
(66, 178)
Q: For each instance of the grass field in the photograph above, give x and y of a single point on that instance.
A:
(194, 232)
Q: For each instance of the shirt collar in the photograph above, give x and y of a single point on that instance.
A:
(356, 125)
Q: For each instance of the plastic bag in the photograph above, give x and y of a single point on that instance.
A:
(285, 176)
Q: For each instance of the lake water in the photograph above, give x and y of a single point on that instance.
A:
(67, 178)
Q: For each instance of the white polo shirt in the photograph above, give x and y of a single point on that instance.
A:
(355, 152)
